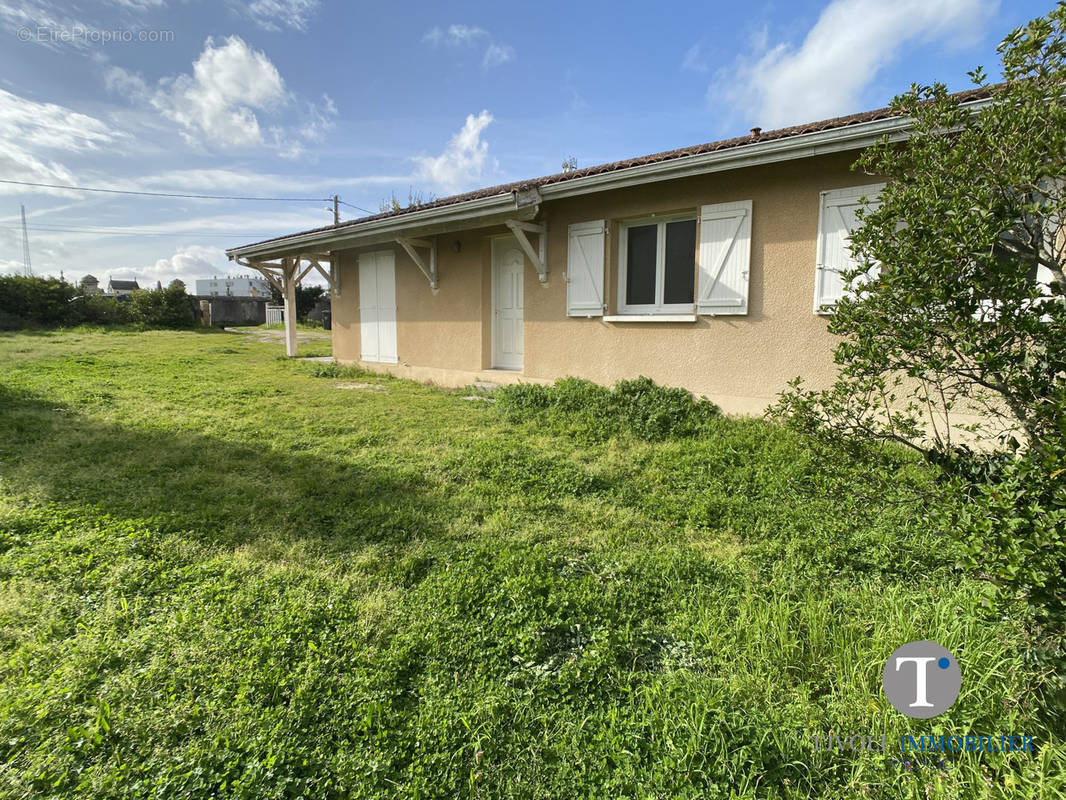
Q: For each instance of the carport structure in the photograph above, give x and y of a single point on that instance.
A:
(287, 260)
(285, 275)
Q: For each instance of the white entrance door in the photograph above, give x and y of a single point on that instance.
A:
(508, 273)
(377, 306)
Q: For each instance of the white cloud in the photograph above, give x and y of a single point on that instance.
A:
(316, 121)
(693, 60)
(273, 15)
(49, 129)
(120, 80)
(851, 41)
(50, 24)
(455, 35)
(577, 100)
(189, 263)
(139, 5)
(497, 54)
(221, 103)
(44, 23)
(463, 160)
(51, 126)
(223, 180)
(229, 83)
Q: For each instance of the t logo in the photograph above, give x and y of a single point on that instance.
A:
(922, 679)
(920, 663)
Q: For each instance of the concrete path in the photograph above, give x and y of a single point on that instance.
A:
(277, 335)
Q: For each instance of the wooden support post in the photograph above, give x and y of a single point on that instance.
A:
(290, 280)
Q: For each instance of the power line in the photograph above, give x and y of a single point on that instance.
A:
(352, 205)
(175, 194)
(71, 227)
(134, 232)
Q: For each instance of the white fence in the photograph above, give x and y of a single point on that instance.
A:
(275, 315)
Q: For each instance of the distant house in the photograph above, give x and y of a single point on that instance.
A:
(233, 287)
(90, 285)
(117, 288)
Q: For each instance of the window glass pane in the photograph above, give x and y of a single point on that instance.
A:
(640, 264)
(680, 261)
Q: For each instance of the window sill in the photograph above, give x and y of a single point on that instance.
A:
(651, 318)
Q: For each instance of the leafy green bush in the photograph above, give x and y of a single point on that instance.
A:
(163, 308)
(638, 407)
(524, 399)
(660, 412)
(1011, 526)
(51, 303)
(34, 302)
(96, 309)
(1014, 527)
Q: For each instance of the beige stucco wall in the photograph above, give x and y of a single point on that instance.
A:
(740, 362)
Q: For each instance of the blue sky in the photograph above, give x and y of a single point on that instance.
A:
(302, 98)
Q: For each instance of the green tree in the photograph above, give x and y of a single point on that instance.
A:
(306, 297)
(163, 308)
(966, 314)
(33, 302)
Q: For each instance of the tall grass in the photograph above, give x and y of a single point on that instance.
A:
(222, 576)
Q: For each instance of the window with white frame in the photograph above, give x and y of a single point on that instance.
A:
(657, 266)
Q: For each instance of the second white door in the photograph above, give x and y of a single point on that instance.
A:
(377, 306)
(508, 274)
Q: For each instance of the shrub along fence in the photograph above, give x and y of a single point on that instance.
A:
(27, 303)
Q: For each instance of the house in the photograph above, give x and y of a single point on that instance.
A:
(241, 286)
(117, 288)
(712, 267)
(89, 284)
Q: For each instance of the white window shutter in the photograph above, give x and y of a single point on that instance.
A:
(837, 219)
(584, 269)
(368, 307)
(377, 306)
(724, 258)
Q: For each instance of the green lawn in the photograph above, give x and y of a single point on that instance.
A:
(223, 576)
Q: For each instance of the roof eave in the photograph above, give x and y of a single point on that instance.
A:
(479, 211)
(353, 235)
(805, 145)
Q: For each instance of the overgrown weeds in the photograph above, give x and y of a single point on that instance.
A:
(637, 407)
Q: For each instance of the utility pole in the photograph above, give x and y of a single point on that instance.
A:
(27, 270)
(336, 210)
